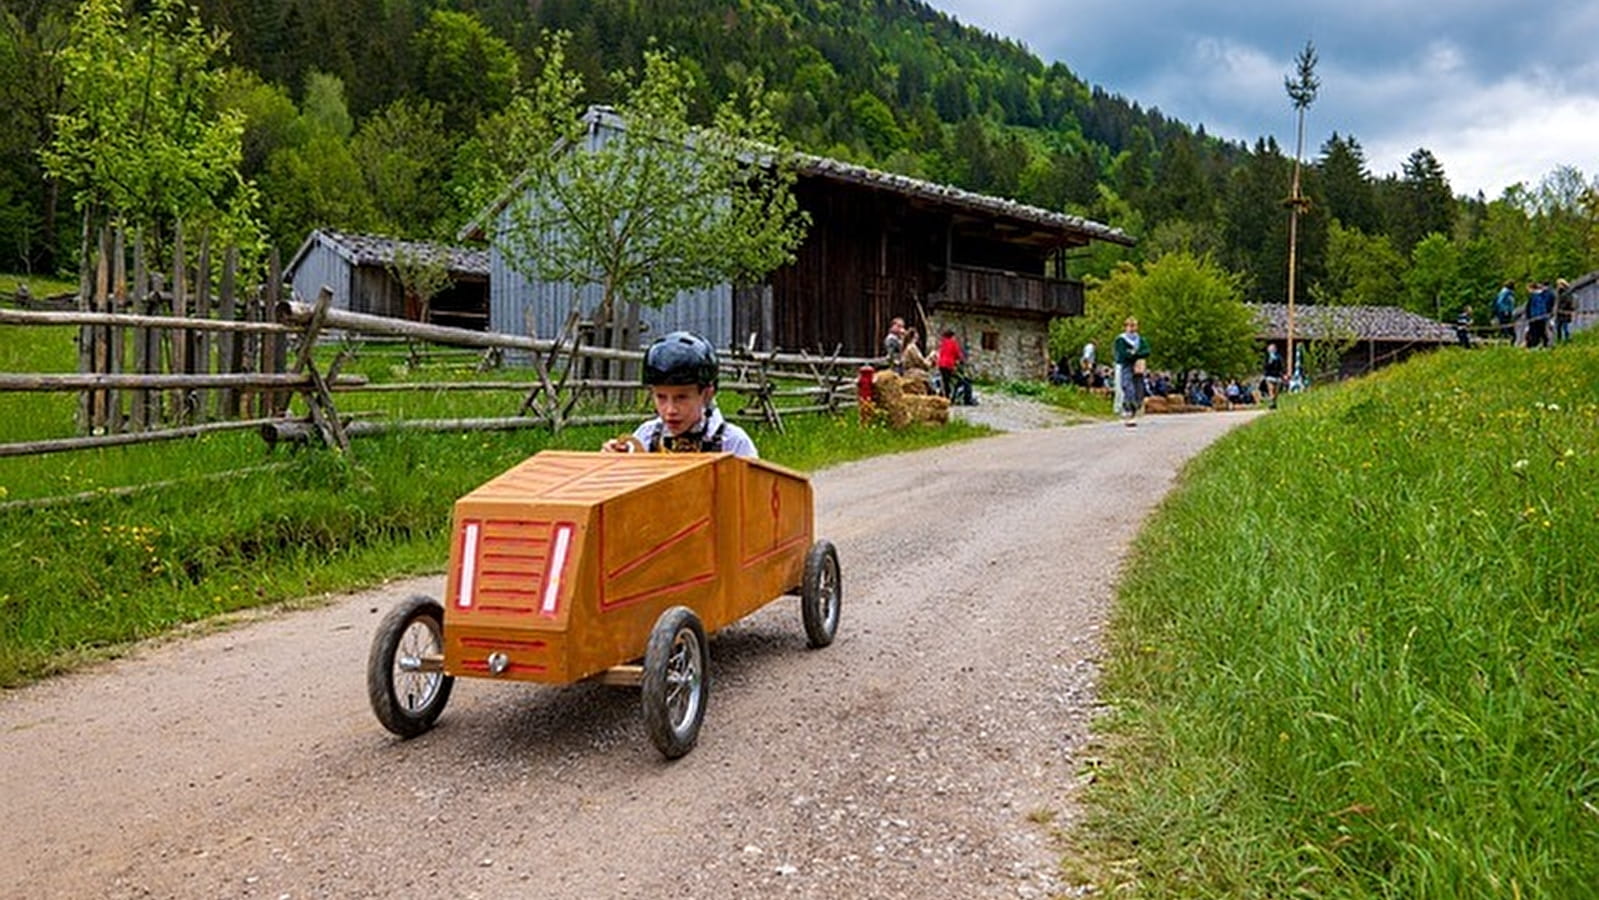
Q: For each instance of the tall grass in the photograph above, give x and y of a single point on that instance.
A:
(1357, 654)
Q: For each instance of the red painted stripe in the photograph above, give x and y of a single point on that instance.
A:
(645, 595)
(658, 549)
(490, 643)
(762, 557)
(476, 665)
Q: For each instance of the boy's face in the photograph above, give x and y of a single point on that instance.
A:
(681, 406)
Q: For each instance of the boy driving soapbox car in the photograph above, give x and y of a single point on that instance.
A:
(609, 567)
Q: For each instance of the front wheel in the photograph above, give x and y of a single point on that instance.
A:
(405, 678)
(675, 681)
(821, 594)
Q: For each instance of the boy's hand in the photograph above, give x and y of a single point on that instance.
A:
(627, 443)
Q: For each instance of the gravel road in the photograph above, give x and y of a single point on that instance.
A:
(922, 754)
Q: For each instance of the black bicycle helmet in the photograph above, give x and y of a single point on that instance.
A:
(681, 357)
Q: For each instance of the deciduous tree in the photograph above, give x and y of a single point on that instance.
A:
(657, 207)
(142, 139)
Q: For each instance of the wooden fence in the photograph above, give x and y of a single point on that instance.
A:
(191, 374)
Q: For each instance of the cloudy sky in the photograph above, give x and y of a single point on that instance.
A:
(1501, 91)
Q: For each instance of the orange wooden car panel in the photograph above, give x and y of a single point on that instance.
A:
(562, 564)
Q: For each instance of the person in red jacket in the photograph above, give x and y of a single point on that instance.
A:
(950, 355)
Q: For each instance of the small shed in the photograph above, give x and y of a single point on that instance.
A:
(1377, 335)
(880, 245)
(1586, 290)
(359, 269)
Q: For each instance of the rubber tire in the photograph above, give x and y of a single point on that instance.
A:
(821, 595)
(677, 650)
(406, 718)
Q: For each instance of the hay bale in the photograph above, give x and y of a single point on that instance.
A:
(888, 389)
(927, 408)
(907, 400)
(917, 382)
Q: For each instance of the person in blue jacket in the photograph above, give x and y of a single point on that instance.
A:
(1505, 311)
(1540, 306)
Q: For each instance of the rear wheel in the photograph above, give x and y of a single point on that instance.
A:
(821, 594)
(675, 681)
(405, 678)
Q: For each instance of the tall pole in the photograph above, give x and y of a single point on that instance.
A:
(1302, 91)
(1295, 203)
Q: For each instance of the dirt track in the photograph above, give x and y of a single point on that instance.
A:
(914, 757)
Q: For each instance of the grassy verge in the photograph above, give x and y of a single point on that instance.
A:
(1357, 654)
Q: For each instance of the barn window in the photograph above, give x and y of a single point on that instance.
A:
(990, 340)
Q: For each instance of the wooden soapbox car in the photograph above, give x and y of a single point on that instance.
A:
(610, 567)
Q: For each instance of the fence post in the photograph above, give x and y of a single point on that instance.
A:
(318, 400)
(101, 336)
(141, 336)
(179, 338)
(115, 351)
(200, 358)
(229, 346)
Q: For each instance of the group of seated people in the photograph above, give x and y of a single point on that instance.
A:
(1211, 392)
(1199, 389)
(1082, 373)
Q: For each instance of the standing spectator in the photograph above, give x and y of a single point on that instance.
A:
(1131, 350)
(950, 355)
(1540, 306)
(1463, 326)
(1505, 311)
(1565, 310)
(894, 344)
(1273, 368)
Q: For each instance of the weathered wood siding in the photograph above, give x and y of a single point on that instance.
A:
(522, 305)
(867, 258)
(1024, 294)
(322, 265)
(362, 289)
(519, 304)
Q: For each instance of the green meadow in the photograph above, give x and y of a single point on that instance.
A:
(1356, 654)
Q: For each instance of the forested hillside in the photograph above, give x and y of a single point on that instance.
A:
(369, 114)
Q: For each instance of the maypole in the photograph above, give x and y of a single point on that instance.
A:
(1302, 91)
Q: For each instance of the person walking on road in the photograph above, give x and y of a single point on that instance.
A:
(1131, 351)
(1273, 369)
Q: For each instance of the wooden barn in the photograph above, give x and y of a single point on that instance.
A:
(880, 245)
(1376, 336)
(1586, 290)
(359, 270)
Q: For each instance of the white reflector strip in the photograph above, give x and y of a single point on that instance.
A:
(463, 596)
(552, 582)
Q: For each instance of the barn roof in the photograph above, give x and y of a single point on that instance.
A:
(916, 189)
(1585, 280)
(1366, 323)
(376, 250)
(956, 198)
